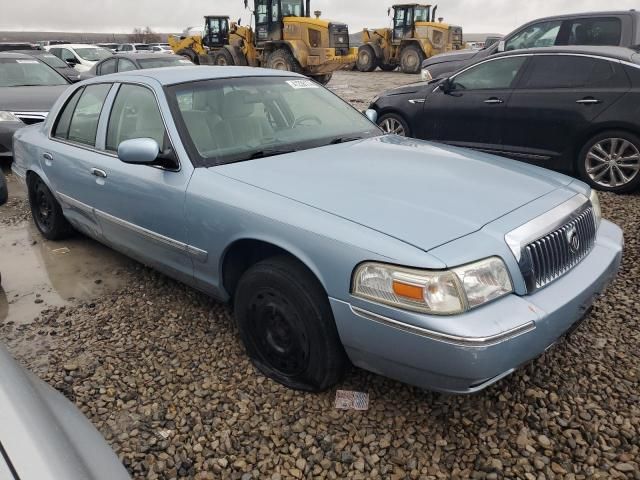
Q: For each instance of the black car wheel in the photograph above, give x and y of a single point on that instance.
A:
(411, 59)
(367, 61)
(393, 123)
(611, 161)
(224, 58)
(46, 211)
(287, 326)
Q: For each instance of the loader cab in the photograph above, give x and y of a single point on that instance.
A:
(216, 31)
(405, 18)
(270, 16)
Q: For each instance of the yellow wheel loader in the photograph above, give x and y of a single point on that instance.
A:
(415, 36)
(285, 38)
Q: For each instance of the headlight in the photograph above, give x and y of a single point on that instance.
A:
(438, 292)
(595, 204)
(8, 117)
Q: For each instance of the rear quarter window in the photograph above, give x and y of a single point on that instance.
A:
(83, 125)
(560, 71)
(595, 31)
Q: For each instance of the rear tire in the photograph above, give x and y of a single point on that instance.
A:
(286, 324)
(46, 211)
(411, 59)
(283, 59)
(224, 58)
(323, 79)
(392, 123)
(610, 161)
(367, 60)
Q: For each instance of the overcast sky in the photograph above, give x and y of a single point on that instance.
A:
(475, 16)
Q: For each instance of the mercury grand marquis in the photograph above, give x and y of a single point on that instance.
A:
(336, 244)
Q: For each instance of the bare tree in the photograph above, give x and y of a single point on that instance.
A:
(144, 35)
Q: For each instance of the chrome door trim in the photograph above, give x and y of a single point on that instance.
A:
(194, 252)
(458, 340)
(417, 100)
(540, 226)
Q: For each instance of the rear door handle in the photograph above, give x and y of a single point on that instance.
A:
(589, 101)
(493, 101)
(98, 173)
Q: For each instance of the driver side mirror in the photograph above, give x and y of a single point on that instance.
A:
(72, 61)
(501, 46)
(139, 151)
(447, 86)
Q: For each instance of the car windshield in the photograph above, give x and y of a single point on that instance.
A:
(53, 61)
(164, 62)
(93, 54)
(23, 72)
(226, 121)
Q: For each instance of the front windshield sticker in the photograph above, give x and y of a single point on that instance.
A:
(298, 84)
(26, 61)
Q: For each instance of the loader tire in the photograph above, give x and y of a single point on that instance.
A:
(322, 79)
(367, 60)
(283, 59)
(190, 54)
(224, 58)
(411, 59)
(386, 67)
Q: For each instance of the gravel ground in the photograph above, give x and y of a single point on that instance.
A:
(159, 369)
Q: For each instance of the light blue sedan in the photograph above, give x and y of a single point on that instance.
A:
(336, 244)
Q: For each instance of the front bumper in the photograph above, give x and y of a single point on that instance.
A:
(326, 60)
(7, 129)
(476, 350)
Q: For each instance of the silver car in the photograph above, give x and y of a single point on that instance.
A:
(438, 266)
(44, 437)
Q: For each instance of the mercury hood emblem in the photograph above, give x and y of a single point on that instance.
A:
(573, 240)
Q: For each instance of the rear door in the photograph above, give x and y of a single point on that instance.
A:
(472, 114)
(554, 104)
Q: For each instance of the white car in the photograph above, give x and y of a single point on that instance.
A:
(161, 49)
(133, 48)
(79, 56)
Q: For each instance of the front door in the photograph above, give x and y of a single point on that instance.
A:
(472, 113)
(555, 101)
(141, 207)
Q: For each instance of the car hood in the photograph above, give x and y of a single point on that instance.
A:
(30, 99)
(406, 89)
(421, 193)
(457, 56)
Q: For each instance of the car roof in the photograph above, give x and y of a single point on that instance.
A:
(617, 53)
(75, 45)
(174, 75)
(15, 55)
(139, 56)
(586, 14)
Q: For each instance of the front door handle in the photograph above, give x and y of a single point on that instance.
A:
(493, 101)
(47, 156)
(589, 101)
(98, 173)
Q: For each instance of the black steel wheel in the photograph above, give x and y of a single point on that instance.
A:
(610, 161)
(287, 326)
(46, 211)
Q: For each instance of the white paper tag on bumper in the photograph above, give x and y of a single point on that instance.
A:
(349, 400)
(298, 84)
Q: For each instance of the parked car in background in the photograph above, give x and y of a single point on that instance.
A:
(572, 109)
(79, 56)
(433, 265)
(161, 49)
(8, 46)
(28, 90)
(44, 436)
(112, 47)
(136, 61)
(4, 196)
(615, 28)
(54, 62)
(133, 48)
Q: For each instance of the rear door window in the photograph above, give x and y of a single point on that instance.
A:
(493, 75)
(563, 71)
(84, 122)
(595, 31)
(543, 34)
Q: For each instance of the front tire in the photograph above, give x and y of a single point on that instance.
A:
(283, 59)
(323, 79)
(411, 59)
(394, 124)
(190, 54)
(610, 161)
(367, 60)
(46, 211)
(286, 324)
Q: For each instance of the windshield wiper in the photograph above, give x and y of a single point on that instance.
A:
(270, 153)
(338, 140)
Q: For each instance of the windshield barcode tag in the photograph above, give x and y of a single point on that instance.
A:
(298, 84)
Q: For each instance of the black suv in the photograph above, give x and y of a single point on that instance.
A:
(616, 28)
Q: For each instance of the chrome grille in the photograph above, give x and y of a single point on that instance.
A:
(556, 253)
